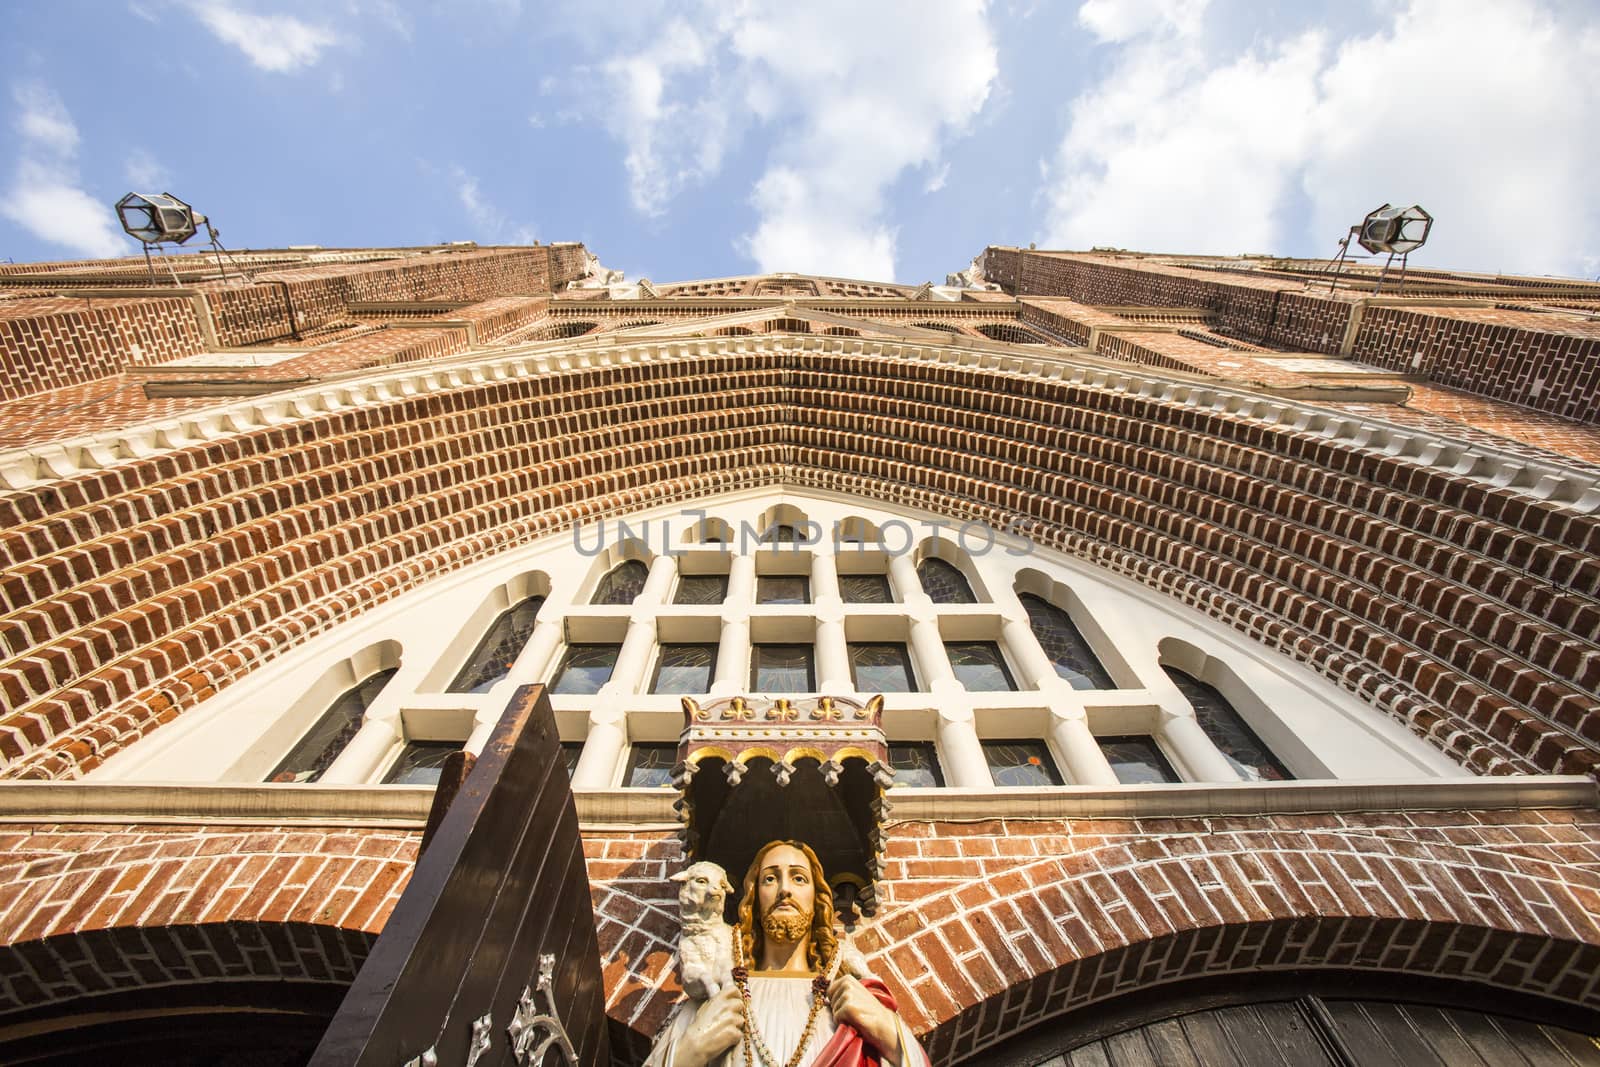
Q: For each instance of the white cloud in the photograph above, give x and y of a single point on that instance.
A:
(1485, 118)
(145, 173)
(847, 123)
(43, 119)
(1123, 20)
(278, 43)
(937, 179)
(1483, 115)
(1171, 156)
(44, 197)
(666, 107)
(491, 225)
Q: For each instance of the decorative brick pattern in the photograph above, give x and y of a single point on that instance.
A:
(96, 909)
(1542, 358)
(320, 294)
(138, 592)
(50, 342)
(63, 967)
(1493, 353)
(68, 879)
(987, 928)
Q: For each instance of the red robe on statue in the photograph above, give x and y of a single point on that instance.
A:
(849, 1049)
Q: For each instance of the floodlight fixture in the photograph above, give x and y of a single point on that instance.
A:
(1394, 230)
(158, 218)
(155, 219)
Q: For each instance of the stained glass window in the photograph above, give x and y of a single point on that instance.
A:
(621, 584)
(1247, 753)
(781, 669)
(915, 763)
(1073, 658)
(944, 583)
(701, 589)
(883, 668)
(321, 745)
(1136, 759)
(420, 763)
(865, 589)
(585, 668)
(492, 659)
(783, 589)
(650, 764)
(979, 666)
(684, 669)
(1020, 763)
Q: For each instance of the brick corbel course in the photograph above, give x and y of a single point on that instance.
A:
(229, 565)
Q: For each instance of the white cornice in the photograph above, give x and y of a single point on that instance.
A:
(407, 806)
(1567, 486)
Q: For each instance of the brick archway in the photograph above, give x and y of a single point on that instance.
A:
(206, 992)
(990, 927)
(221, 556)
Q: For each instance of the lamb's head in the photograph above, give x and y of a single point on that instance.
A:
(703, 887)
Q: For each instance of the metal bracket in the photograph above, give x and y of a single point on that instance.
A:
(532, 1031)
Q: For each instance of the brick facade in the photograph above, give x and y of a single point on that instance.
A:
(1472, 618)
(89, 910)
(989, 927)
(50, 342)
(1489, 342)
(151, 574)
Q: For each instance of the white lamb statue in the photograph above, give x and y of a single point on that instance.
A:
(705, 947)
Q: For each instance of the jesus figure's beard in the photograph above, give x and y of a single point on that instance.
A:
(785, 925)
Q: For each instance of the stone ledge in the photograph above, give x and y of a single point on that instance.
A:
(638, 809)
(652, 808)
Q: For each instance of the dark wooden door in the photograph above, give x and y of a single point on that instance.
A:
(1313, 1031)
(499, 897)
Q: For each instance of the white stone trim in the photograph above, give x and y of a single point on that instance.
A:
(406, 807)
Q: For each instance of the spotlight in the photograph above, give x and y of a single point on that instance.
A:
(157, 219)
(1394, 230)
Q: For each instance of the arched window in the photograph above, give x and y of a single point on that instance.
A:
(944, 583)
(569, 329)
(1227, 729)
(492, 659)
(624, 582)
(945, 326)
(321, 745)
(780, 534)
(1073, 658)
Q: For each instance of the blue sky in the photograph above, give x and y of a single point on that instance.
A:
(881, 140)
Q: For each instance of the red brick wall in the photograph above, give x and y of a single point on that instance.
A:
(1548, 363)
(319, 294)
(1265, 309)
(1499, 354)
(71, 878)
(985, 928)
(50, 342)
(88, 909)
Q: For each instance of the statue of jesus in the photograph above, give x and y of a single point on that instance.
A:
(788, 1006)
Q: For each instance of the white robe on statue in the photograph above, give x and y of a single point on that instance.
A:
(780, 1007)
